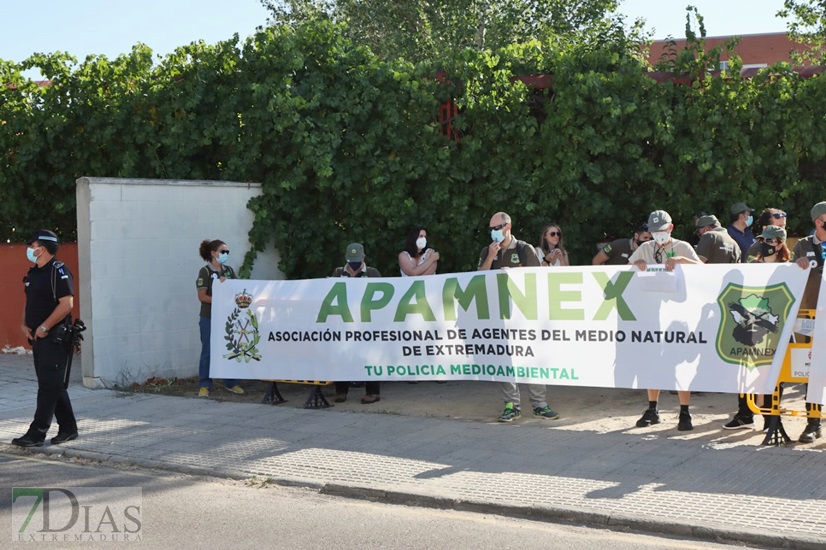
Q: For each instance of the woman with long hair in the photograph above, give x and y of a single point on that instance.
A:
(552, 249)
(772, 247)
(417, 258)
(769, 217)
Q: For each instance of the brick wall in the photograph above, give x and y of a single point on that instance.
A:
(15, 265)
(753, 48)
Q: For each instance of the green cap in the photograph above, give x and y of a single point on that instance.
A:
(705, 221)
(738, 207)
(774, 232)
(354, 253)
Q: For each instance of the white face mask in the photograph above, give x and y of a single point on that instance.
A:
(421, 242)
(661, 237)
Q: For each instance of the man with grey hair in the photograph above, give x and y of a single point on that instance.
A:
(506, 252)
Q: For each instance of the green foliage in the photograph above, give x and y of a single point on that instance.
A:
(348, 145)
(420, 30)
(807, 26)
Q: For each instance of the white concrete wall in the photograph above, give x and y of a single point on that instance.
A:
(138, 260)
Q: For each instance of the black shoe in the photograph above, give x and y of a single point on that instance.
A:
(685, 425)
(810, 433)
(64, 437)
(649, 418)
(739, 423)
(27, 441)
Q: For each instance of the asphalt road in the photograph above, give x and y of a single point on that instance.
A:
(178, 511)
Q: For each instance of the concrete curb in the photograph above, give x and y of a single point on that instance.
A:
(577, 516)
(561, 515)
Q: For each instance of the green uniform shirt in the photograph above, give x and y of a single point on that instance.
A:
(205, 277)
(518, 254)
(717, 247)
(618, 251)
(810, 249)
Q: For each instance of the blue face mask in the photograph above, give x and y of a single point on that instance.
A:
(222, 258)
(354, 265)
(496, 235)
(749, 221)
(30, 255)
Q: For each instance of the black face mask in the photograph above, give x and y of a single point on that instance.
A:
(639, 242)
(354, 265)
(767, 249)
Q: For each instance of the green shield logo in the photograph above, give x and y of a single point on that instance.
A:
(751, 321)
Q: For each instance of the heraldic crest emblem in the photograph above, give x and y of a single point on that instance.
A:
(242, 331)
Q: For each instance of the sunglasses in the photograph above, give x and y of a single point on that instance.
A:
(779, 215)
(658, 255)
(498, 227)
(223, 251)
(554, 233)
(772, 241)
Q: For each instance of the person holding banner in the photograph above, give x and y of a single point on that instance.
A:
(552, 250)
(49, 288)
(357, 267)
(215, 254)
(506, 252)
(810, 252)
(417, 258)
(769, 216)
(670, 252)
(618, 251)
(771, 249)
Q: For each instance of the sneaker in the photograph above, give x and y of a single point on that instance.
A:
(739, 423)
(685, 425)
(649, 418)
(236, 389)
(203, 392)
(510, 413)
(546, 412)
(810, 433)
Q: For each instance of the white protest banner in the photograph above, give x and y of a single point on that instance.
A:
(705, 327)
(817, 370)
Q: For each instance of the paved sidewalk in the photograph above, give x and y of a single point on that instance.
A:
(767, 497)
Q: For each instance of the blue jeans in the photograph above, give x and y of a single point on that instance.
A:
(203, 365)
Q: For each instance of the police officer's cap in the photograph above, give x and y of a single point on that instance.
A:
(43, 235)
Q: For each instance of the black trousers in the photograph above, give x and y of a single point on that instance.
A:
(52, 398)
(370, 388)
